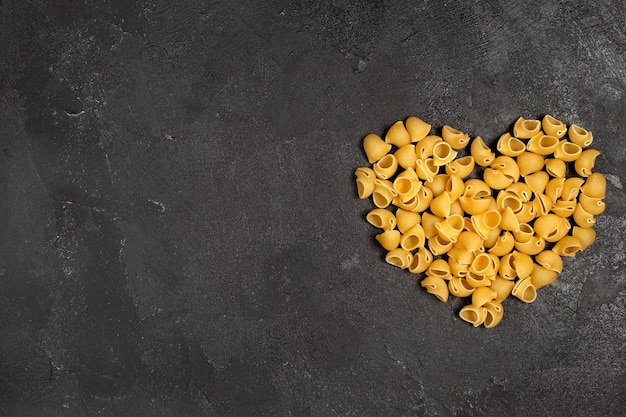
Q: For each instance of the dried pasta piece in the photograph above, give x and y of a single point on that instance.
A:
(469, 241)
(497, 179)
(454, 187)
(553, 127)
(524, 233)
(381, 218)
(510, 146)
(529, 163)
(473, 205)
(594, 186)
(474, 315)
(525, 290)
(406, 156)
(424, 148)
(457, 269)
(521, 190)
(563, 208)
(507, 199)
(437, 287)
(443, 153)
(420, 261)
(456, 208)
(481, 153)
(583, 218)
(438, 184)
(592, 205)
(405, 219)
(439, 268)
(365, 181)
(438, 245)
(555, 167)
(383, 193)
(461, 256)
(485, 222)
(386, 167)
(429, 222)
(461, 167)
(507, 166)
(568, 246)
(405, 203)
(507, 267)
(571, 188)
(547, 226)
(476, 188)
(550, 260)
(586, 236)
(533, 246)
(417, 128)
(580, 136)
(440, 206)
(426, 169)
(542, 203)
(523, 264)
(399, 257)
(567, 151)
(407, 184)
(526, 128)
(537, 181)
(541, 276)
(495, 311)
(459, 287)
(527, 213)
(424, 197)
(375, 148)
(502, 287)
(542, 144)
(398, 135)
(554, 188)
(413, 239)
(482, 295)
(456, 138)
(477, 280)
(483, 265)
(389, 239)
(491, 240)
(503, 245)
(586, 161)
(508, 220)
(450, 228)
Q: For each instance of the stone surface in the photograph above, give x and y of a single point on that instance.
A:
(180, 232)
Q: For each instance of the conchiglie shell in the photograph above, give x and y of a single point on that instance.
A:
(495, 312)
(426, 169)
(534, 245)
(571, 187)
(523, 264)
(485, 222)
(424, 197)
(567, 151)
(386, 167)
(547, 226)
(525, 290)
(482, 265)
(507, 267)
(459, 287)
(456, 138)
(483, 295)
(524, 233)
(474, 206)
(541, 277)
(492, 239)
(555, 167)
(381, 218)
(476, 188)
(526, 128)
(454, 187)
(389, 239)
(429, 223)
(399, 257)
(594, 186)
(474, 315)
(554, 188)
(510, 146)
(366, 173)
(509, 220)
(398, 135)
(550, 260)
(568, 246)
(450, 228)
(456, 208)
(469, 241)
(437, 287)
(407, 184)
(542, 144)
(508, 199)
(585, 162)
(563, 229)
(496, 179)
(406, 219)
(580, 136)
(375, 148)
(521, 190)
(438, 184)
(461, 256)
(461, 167)
(527, 213)
(457, 269)
(440, 206)
(481, 153)
(537, 181)
(553, 127)
(413, 239)
(439, 268)
(502, 287)
(408, 203)
(563, 208)
(424, 148)
(503, 245)
(438, 245)
(406, 156)
(417, 128)
(507, 166)
(542, 203)
(586, 236)
(529, 163)
(420, 261)
(383, 193)
(443, 153)
(583, 218)
(477, 280)
(365, 184)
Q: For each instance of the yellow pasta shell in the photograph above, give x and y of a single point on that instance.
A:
(553, 127)
(365, 186)
(386, 167)
(482, 295)
(429, 223)
(571, 187)
(461, 167)
(438, 184)
(525, 290)
(540, 277)
(469, 241)
(426, 169)
(523, 264)
(389, 239)
(508, 199)
(399, 257)
(454, 187)
(542, 144)
(509, 220)
(592, 205)
(474, 315)
(482, 265)
(555, 167)
(381, 218)
(586, 236)
(457, 269)
(485, 222)
(507, 267)
(481, 153)
(439, 268)
(586, 161)
(407, 184)
(459, 287)
(456, 138)
(420, 261)
(461, 255)
(438, 245)
(554, 188)
(594, 186)
(542, 203)
(406, 156)
(437, 287)
(568, 246)
(398, 135)
(375, 148)
(503, 245)
(533, 246)
(383, 193)
(406, 219)
(526, 128)
(537, 181)
(529, 163)
(524, 233)
(580, 136)
(405, 203)
(507, 166)
(440, 206)
(521, 190)
(424, 197)
(496, 179)
(527, 213)
(510, 146)
(550, 260)
(495, 311)
(567, 151)
(443, 153)
(413, 239)
(563, 208)
(417, 128)
(477, 280)
(450, 228)
(502, 287)
(491, 240)
(456, 208)
(424, 148)
(547, 226)
(583, 218)
(476, 188)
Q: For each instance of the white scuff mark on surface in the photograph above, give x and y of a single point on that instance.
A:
(160, 205)
(614, 179)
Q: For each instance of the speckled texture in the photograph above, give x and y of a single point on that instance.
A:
(180, 232)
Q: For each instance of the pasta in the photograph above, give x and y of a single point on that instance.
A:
(488, 226)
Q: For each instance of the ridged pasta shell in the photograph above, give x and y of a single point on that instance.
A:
(532, 247)
(553, 127)
(585, 162)
(456, 138)
(496, 179)
(426, 169)
(413, 239)
(450, 228)
(424, 197)
(485, 222)
(542, 144)
(469, 241)
(540, 276)
(375, 148)
(438, 245)
(437, 287)
(555, 167)
(571, 188)
(547, 226)
(583, 218)
(477, 280)
(407, 184)
(502, 287)
(537, 181)
(524, 233)
(527, 213)
(494, 315)
(525, 290)
(550, 260)
(482, 265)
(386, 167)
(481, 153)
(365, 182)
(586, 236)
(439, 268)
(438, 184)
(563, 208)
(507, 166)
(440, 206)
(509, 220)
(542, 203)
(461, 255)
(508, 199)
(474, 315)
(510, 146)
(554, 188)
(594, 186)
(529, 163)
(568, 246)
(405, 203)
(580, 136)
(443, 153)
(491, 240)
(567, 151)
(457, 269)
(482, 296)
(406, 156)
(459, 287)
(503, 245)
(424, 148)
(523, 264)
(406, 219)
(521, 190)
(384, 193)
(429, 222)
(420, 261)
(389, 239)
(417, 128)
(398, 135)
(507, 267)
(381, 218)
(461, 167)
(526, 128)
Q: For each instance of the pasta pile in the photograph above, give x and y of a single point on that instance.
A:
(483, 238)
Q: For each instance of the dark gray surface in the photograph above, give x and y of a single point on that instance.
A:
(180, 233)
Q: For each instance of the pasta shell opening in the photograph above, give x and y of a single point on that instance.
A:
(474, 315)
(567, 151)
(461, 167)
(525, 291)
(553, 127)
(399, 257)
(526, 128)
(443, 153)
(542, 144)
(585, 162)
(482, 296)
(510, 146)
(383, 219)
(365, 188)
(494, 314)
(482, 264)
(459, 287)
(580, 136)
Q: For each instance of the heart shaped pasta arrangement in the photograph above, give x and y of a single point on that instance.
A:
(498, 232)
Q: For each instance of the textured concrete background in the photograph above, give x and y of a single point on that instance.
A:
(179, 227)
